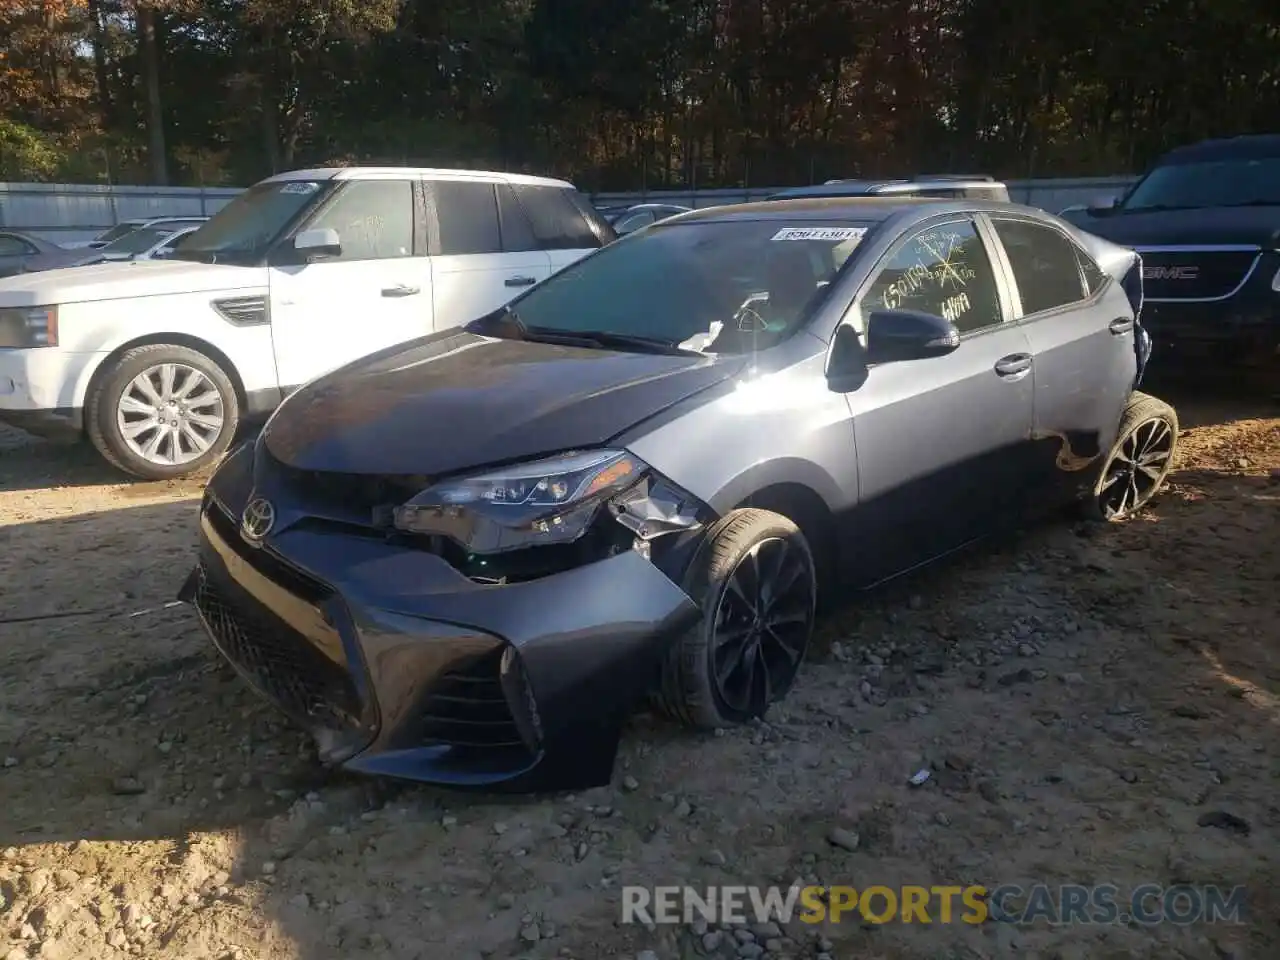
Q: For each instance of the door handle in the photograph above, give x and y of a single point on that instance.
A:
(1120, 325)
(400, 290)
(1013, 367)
(521, 281)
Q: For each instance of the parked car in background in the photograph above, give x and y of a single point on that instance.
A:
(134, 245)
(112, 234)
(631, 219)
(144, 243)
(164, 248)
(16, 248)
(461, 560)
(974, 187)
(611, 211)
(1206, 221)
(157, 361)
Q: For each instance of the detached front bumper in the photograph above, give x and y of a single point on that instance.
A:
(399, 665)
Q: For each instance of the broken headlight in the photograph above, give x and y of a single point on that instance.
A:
(546, 501)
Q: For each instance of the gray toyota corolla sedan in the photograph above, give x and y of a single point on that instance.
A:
(464, 559)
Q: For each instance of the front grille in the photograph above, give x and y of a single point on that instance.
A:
(277, 659)
(1194, 274)
(466, 708)
(346, 495)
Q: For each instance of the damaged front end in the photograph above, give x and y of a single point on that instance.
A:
(493, 629)
(537, 519)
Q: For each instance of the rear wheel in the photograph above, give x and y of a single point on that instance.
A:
(755, 582)
(1139, 461)
(162, 411)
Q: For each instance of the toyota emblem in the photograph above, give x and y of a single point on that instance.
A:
(257, 520)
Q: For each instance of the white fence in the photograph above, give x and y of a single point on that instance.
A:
(68, 212)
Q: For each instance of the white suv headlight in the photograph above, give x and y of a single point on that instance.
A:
(25, 327)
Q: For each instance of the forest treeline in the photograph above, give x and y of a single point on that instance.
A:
(625, 94)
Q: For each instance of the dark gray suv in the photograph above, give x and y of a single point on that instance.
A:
(462, 559)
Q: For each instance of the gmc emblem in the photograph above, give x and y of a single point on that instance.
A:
(1170, 273)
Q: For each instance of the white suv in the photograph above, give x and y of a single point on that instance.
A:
(158, 361)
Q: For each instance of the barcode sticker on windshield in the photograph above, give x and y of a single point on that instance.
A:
(831, 234)
(300, 186)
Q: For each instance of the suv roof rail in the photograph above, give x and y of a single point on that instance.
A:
(984, 177)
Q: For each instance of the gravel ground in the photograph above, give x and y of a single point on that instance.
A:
(1089, 702)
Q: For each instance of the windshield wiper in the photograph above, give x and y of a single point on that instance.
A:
(1150, 208)
(1254, 203)
(606, 339)
(505, 322)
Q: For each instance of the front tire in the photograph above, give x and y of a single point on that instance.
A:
(1139, 461)
(162, 411)
(755, 580)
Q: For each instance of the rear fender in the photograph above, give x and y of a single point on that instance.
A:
(1125, 267)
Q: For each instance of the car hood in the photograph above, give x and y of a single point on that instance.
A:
(132, 278)
(1205, 226)
(456, 400)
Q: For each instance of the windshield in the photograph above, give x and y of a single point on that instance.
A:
(1215, 183)
(136, 241)
(116, 232)
(720, 287)
(252, 222)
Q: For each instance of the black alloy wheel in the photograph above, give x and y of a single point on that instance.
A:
(762, 626)
(755, 581)
(1140, 460)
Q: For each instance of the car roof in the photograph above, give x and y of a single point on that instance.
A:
(1257, 146)
(821, 208)
(852, 209)
(386, 173)
(148, 221)
(844, 188)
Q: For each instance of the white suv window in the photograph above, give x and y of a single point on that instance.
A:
(467, 214)
(557, 222)
(374, 219)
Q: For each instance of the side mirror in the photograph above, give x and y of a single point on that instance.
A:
(1101, 206)
(323, 242)
(847, 362)
(895, 335)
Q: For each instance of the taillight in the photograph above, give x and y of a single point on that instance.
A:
(1132, 286)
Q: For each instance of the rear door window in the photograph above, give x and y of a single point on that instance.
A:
(517, 232)
(466, 212)
(1046, 265)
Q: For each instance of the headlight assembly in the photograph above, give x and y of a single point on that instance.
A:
(529, 504)
(25, 327)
